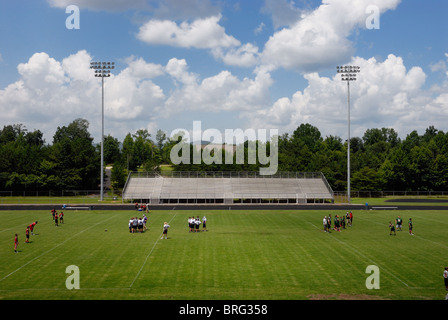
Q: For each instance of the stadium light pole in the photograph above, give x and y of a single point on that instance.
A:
(348, 73)
(102, 70)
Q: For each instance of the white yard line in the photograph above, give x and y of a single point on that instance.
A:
(150, 252)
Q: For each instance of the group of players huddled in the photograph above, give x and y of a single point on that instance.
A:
(57, 217)
(138, 224)
(194, 224)
(339, 222)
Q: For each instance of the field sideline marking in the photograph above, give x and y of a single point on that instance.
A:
(152, 249)
(60, 244)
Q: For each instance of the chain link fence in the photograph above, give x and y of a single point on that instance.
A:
(341, 196)
(93, 196)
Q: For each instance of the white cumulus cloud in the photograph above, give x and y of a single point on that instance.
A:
(50, 93)
(386, 94)
(319, 39)
(202, 33)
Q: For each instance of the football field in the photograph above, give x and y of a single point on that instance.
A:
(251, 255)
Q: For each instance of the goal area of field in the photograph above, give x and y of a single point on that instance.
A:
(178, 187)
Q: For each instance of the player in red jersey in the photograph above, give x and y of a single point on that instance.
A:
(32, 227)
(16, 242)
(27, 234)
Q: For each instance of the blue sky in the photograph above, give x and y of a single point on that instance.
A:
(266, 64)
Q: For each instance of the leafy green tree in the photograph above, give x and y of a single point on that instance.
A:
(76, 159)
(160, 139)
(118, 175)
(111, 149)
(127, 153)
(367, 179)
(309, 135)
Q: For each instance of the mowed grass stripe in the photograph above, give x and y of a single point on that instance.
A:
(402, 252)
(342, 266)
(48, 262)
(149, 253)
(371, 252)
(419, 266)
(106, 259)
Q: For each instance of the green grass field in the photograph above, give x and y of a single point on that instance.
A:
(245, 255)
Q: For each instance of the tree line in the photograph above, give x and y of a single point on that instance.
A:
(380, 160)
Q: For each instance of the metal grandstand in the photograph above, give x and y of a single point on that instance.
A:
(227, 187)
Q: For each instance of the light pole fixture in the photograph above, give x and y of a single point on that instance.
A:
(348, 73)
(102, 70)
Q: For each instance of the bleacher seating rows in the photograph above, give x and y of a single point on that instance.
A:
(156, 188)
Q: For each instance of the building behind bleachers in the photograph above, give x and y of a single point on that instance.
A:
(227, 188)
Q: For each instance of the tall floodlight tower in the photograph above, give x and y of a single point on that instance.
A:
(102, 70)
(348, 73)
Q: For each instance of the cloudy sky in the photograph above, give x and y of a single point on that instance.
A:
(260, 64)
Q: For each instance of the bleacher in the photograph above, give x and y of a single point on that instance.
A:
(227, 188)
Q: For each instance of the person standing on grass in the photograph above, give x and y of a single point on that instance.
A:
(27, 234)
(56, 217)
(165, 230)
(329, 223)
(145, 219)
(336, 223)
(399, 223)
(324, 221)
(198, 223)
(193, 224)
(16, 242)
(61, 217)
(392, 228)
(410, 224)
(204, 223)
(140, 225)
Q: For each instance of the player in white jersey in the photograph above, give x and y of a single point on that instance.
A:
(165, 230)
(204, 223)
(197, 222)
